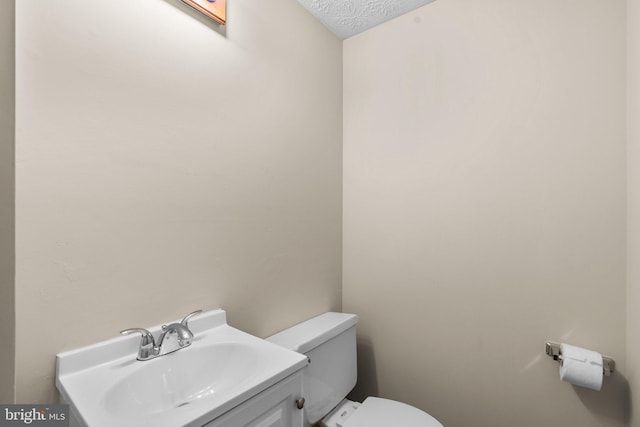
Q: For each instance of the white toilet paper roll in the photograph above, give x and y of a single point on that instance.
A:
(581, 367)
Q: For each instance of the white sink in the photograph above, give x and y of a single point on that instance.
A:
(106, 386)
(174, 380)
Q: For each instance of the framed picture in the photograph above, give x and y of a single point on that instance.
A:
(212, 9)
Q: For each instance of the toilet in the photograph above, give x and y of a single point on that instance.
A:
(329, 341)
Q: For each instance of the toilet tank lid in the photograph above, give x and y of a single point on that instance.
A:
(307, 335)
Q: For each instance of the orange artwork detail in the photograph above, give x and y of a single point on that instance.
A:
(216, 10)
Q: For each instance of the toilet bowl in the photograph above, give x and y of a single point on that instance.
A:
(329, 341)
(378, 412)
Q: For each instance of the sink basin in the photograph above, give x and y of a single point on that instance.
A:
(105, 385)
(164, 384)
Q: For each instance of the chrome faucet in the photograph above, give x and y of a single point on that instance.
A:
(173, 337)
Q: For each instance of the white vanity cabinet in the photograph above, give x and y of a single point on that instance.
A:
(226, 378)
(273, 407)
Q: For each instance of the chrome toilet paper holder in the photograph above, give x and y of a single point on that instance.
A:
(553, 350)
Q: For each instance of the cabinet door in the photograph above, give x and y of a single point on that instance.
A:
(278, 416)
(274, 407)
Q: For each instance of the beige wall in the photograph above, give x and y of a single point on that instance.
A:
(484, 189)
(7, 229)
(633, 221)
(165, 166)
(484, 207)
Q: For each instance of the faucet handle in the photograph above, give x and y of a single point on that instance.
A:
(147, 337)
(188, 317)
(147, 343)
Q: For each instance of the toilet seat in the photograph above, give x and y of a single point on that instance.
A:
(378, 412)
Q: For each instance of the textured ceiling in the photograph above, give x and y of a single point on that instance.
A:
(350, 17)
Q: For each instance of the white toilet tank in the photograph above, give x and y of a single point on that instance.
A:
(329, 340)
